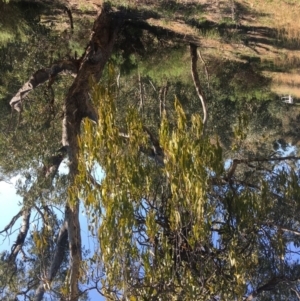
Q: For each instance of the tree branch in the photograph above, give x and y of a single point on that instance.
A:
(269, 286)
(194, 58)
(59, 255)
(22, 234)
(68, 11)
(295, 232)
(78, 106)
(205, 67)
(41, 76)
(47, 174)
(235, 162)
(141, 105)
(158, 151)
(162, 99)
(12, 222)
(296, 292)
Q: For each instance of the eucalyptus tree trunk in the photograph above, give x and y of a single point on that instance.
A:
(77, 106)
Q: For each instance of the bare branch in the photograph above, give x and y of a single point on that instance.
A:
(232, 169)
(205, 67)
(289, 230)
(141, 105)
(94, 181)
(194, 57)
(22, 234)
(267, 159)
(235, 162)
(162, 99)
(41, 76)
(296, 292)
(68, 11)
(47, 174)
(152, 85)
(41, 213)
(12, 222)
(295, 232)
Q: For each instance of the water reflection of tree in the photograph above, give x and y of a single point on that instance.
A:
(179, 206)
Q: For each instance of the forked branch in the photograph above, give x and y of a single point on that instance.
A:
(40, 77)
(12, 222)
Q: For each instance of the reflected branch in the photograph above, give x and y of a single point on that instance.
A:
(197, 84)
(12, 222)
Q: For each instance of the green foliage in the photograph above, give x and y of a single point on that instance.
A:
(240, 82)
(164, 229)
(141, 209)
(240, 131)
(26, 140)
(182, 229)
(18, 21)
(168, 64)
(129, 187)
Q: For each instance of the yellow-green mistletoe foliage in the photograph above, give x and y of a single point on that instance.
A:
(155, 221)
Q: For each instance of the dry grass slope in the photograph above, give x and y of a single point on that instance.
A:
(234, 30)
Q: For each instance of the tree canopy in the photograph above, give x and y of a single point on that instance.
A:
(180, 156)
